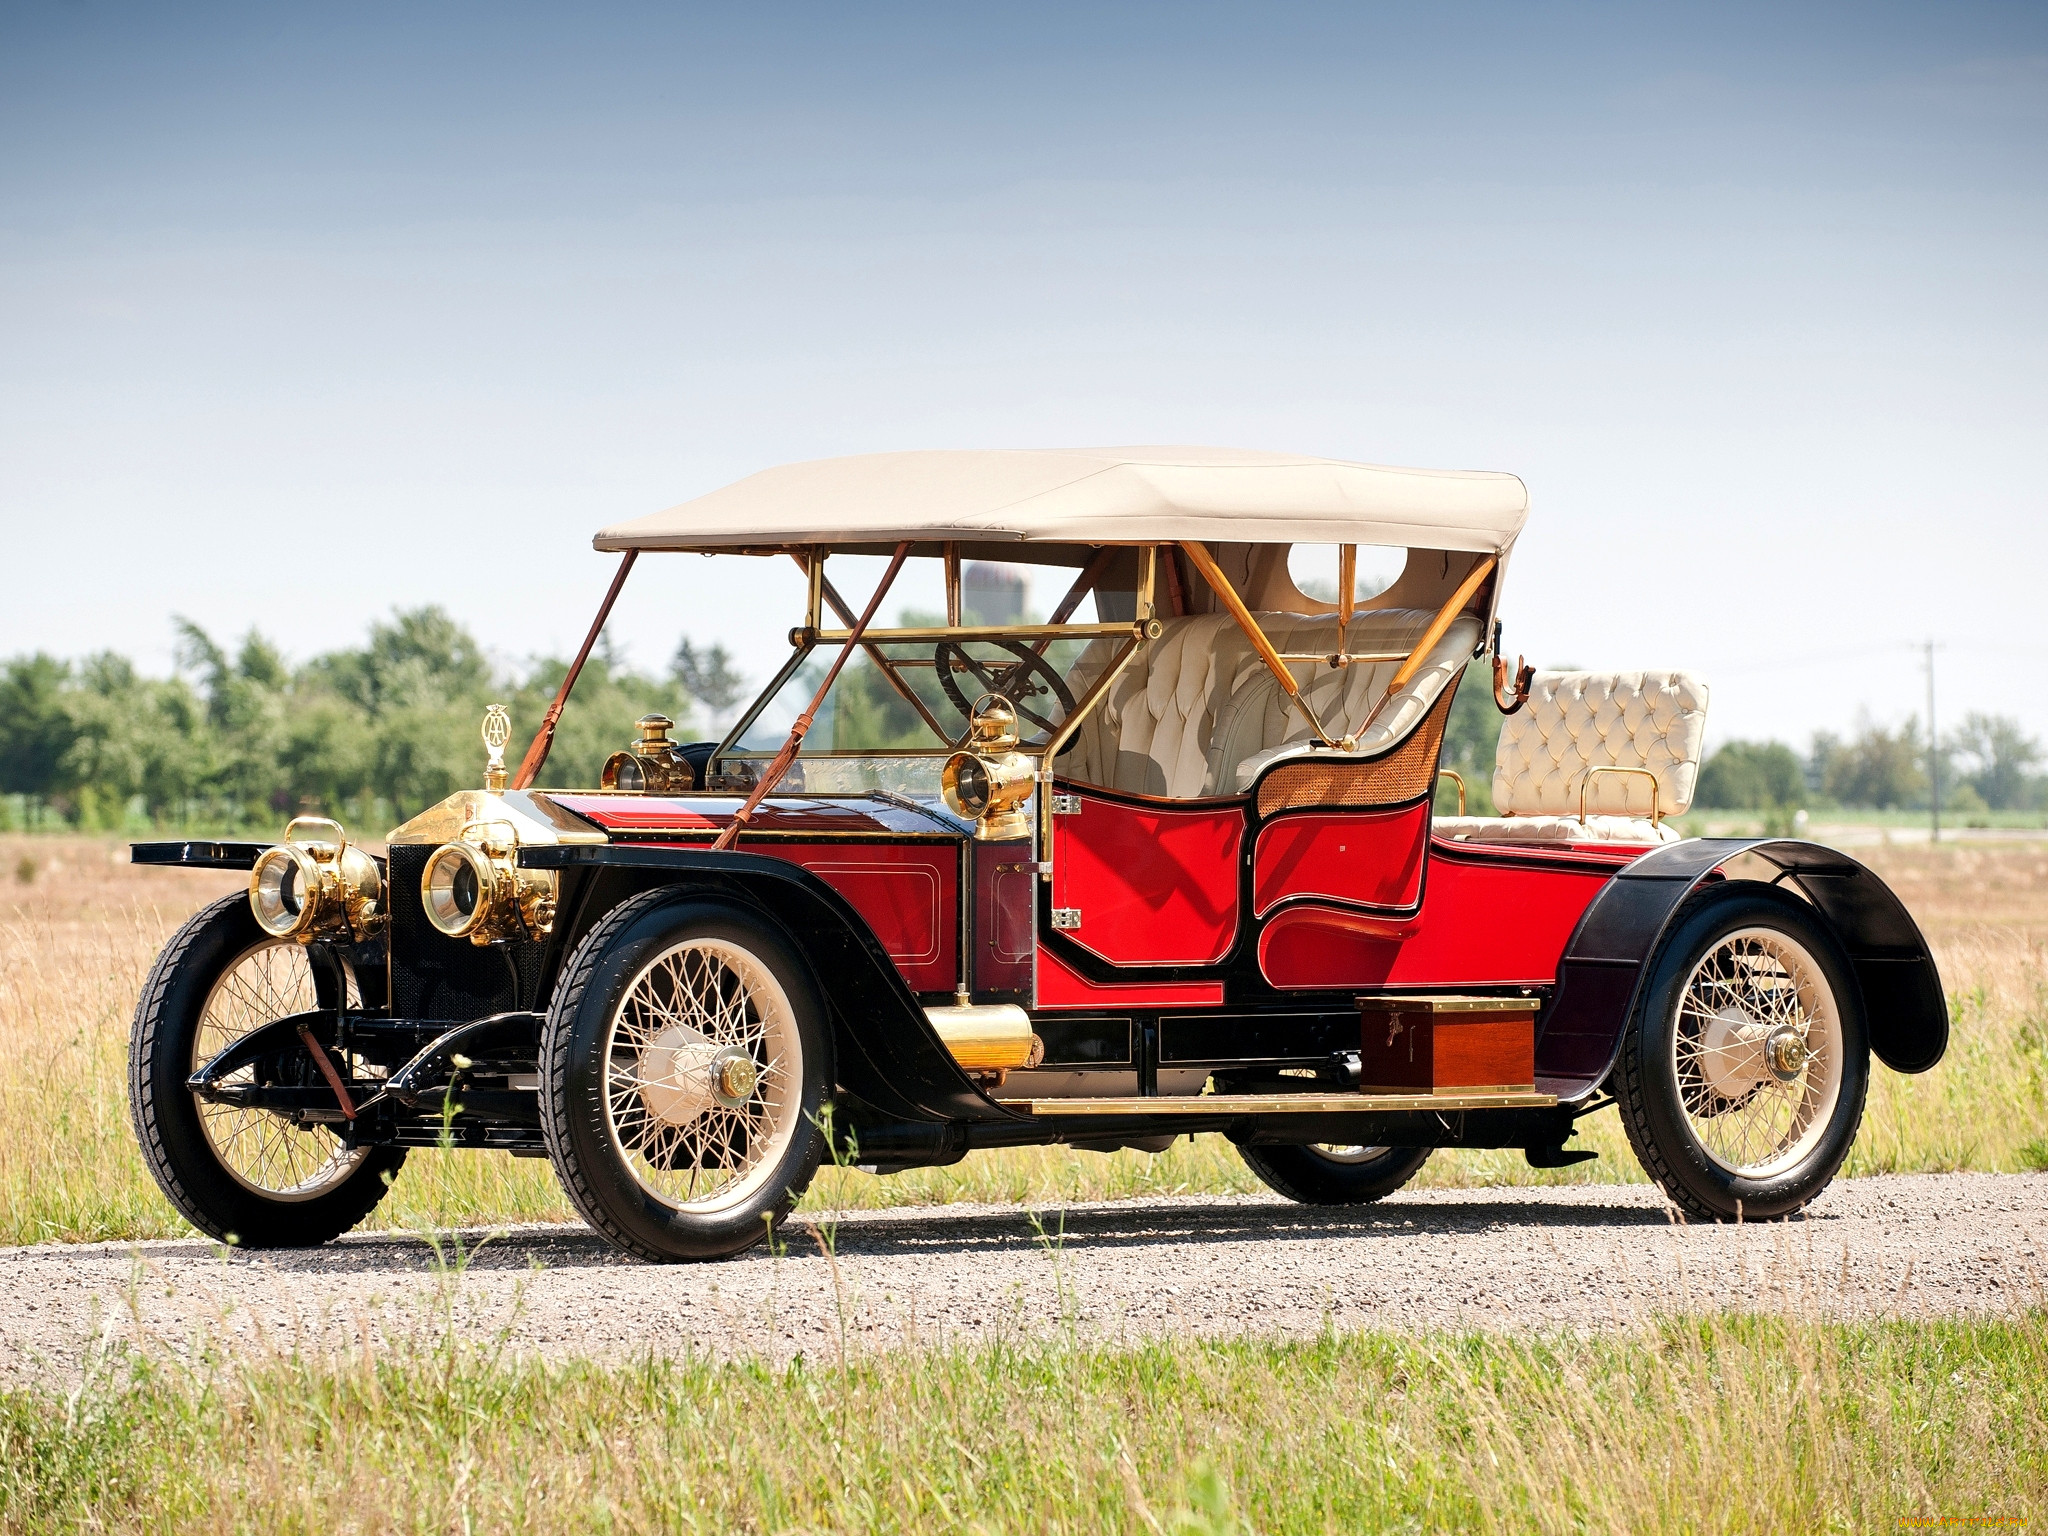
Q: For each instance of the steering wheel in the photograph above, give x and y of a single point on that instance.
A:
(1017, 681)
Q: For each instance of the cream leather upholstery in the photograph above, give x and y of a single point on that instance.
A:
(1151, 735)
(1198, 712)
(1261, 723)
(1575, 722)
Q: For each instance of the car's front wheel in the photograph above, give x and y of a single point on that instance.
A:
(1742, 1076)
(685, 1068)
(249, 1176)
(1334, 1175)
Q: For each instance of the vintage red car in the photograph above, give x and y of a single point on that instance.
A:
(1160, 858)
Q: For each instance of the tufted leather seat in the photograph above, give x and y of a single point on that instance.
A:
(1198, 712)
(1575, 722)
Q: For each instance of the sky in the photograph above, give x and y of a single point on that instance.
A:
(309, 314)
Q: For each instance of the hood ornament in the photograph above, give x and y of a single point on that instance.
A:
(497, 731)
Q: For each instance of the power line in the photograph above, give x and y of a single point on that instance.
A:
(1933, 753)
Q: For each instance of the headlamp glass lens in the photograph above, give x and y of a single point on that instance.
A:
(278, 891)
(452, 889)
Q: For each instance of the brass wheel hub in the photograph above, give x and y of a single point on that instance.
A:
(734, 1079)
(1785, 1053)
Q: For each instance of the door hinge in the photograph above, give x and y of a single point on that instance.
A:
(1066, 805)
(1066, 917)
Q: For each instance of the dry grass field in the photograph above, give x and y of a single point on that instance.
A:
(79, 925)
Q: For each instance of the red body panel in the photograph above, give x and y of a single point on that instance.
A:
(1483, 923)
(1373, 858)
(909, 893)
(1005, 916)
(1059, 987)
(1155, 885)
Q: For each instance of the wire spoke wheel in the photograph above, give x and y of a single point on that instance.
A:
(237, 1173)
(265, 1152)
(700, 1093)
(1756, 1048)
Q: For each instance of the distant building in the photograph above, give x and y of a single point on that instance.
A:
(991, 594)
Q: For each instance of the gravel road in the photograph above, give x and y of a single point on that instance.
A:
(1582, 1257)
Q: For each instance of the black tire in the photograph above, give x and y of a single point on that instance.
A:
(168, 1124)
(1673, 1108)
(614, 1184)
(1315, 1177)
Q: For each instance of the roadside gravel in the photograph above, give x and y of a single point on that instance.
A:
(1589, 1257)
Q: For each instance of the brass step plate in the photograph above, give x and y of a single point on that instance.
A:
(1290, 1103)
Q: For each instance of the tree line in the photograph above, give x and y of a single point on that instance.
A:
(239, 737)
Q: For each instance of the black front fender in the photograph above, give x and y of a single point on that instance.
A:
(889, 1056)
(1607, 961)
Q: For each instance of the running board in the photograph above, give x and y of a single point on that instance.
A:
(1291, 1103)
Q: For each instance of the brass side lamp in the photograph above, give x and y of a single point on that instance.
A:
(653, 765)
(989, 780)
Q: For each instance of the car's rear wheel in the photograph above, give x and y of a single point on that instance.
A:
(1743, 1074)
(685, 1068)
(1334, 1175)
(248, 1176)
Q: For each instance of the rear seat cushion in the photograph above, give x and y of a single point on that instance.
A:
(1575, 721)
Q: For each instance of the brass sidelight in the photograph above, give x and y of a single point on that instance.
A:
(653, 765)
(990, 780)
(316, 884)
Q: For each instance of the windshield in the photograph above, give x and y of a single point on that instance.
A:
(901, 704)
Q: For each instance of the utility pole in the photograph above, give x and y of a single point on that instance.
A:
(1933, 753)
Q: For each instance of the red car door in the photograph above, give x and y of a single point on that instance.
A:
(1146, 882)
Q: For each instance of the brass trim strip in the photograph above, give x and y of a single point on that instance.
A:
(1290, 1103)
(1453, 1004)
(987, 632)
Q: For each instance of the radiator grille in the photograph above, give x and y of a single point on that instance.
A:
(436, 977)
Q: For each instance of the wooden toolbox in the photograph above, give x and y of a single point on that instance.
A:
(1447, 1044)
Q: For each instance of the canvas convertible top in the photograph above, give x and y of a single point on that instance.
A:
(1092, 496)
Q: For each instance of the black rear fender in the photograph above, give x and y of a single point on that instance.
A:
(1607, 962)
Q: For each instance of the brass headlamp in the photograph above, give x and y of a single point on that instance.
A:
(989, 781)
(653, 765)
(473, 888)
(316, 884)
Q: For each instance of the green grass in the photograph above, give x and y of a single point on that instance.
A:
(1724, 1424)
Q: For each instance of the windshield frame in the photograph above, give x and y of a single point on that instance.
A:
(812, 636)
